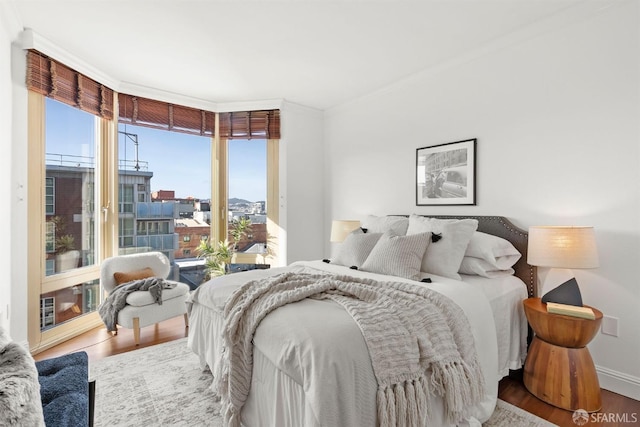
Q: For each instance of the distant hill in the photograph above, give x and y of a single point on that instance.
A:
(235, 201)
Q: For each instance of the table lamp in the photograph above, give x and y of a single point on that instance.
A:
(564, 247)
(340, 229)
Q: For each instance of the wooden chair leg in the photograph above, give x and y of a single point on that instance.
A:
(186, 320)
(136, 330)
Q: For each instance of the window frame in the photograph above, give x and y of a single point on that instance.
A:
(107, 203)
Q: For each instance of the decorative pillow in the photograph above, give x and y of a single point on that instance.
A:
(125, 277)
(443, 257)
(479, 267)
(380, 224)
(355, 248)
(398, 255)
(499, 253)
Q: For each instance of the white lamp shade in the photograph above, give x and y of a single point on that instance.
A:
(341, 228)
(562, 247)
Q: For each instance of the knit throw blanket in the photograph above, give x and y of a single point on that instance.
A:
(419, 341)
(117, 299)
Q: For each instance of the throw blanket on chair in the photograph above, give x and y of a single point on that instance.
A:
(419, 341)
(117, 299)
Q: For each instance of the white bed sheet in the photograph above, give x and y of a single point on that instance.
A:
(505, 295)
(281, 396)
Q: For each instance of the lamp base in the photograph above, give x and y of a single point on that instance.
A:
(567, 293)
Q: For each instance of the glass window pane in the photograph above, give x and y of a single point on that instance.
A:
(69, 182)
(68, 303)
(169, 172)
(248, 192)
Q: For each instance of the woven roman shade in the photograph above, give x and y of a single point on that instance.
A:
(57, 81)
(146, 112)
(263, 124)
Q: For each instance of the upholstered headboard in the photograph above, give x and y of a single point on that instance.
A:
(502, 227)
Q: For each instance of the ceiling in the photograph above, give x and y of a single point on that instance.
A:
(315, 53)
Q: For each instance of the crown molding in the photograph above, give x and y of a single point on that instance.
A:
(166, 96)
(31, 40)
(266, 104)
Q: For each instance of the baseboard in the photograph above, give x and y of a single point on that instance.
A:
(65, 332)
(618, 382)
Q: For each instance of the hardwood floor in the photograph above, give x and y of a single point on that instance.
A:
(617, 410)
(98, 343)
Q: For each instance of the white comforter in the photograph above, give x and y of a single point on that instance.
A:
(319, 346)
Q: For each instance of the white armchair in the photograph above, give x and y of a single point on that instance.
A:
(141, 310)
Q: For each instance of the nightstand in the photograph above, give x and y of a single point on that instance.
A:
(559, 369)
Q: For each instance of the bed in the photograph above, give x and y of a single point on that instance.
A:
(310, 364)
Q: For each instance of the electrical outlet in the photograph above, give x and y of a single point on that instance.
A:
(610, 326)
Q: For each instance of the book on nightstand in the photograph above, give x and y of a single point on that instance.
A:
(570, 310)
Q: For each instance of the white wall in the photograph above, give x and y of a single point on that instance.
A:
(301, 178)
(8, 32)
(555, 109)
(5, 170)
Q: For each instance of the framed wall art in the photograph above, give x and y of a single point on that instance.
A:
(446, 174)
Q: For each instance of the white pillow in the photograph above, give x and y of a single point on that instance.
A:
(355, 248)
(444, 256)
(479, 267)
(499, 253)
(398, 255)
(380, 224)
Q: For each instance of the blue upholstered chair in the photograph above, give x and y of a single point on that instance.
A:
(66, 393)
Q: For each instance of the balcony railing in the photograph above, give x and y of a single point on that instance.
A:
(71, 161)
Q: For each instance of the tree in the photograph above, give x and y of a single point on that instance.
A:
(218, 256)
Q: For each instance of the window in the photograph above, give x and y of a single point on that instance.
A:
(50, 237)
(173, 170)
(125, 198)
(49, 196)
(126, 232)
(68, 183)
(186, 238)
(64, 205)
(167, 167)
(248, 191)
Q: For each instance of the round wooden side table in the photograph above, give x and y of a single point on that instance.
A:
(559, 369)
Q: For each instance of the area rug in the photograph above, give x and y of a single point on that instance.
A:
(163, 385)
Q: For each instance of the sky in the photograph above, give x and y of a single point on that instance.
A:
(179, 162)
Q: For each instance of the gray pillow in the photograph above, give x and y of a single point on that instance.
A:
(398, 255)
(444, 256)
(381, 224)
(355, 249)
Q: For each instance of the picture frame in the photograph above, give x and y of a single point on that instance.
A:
(446, 174)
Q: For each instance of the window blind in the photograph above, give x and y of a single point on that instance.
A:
(263, 124)
(57, 81)
(146, 112)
